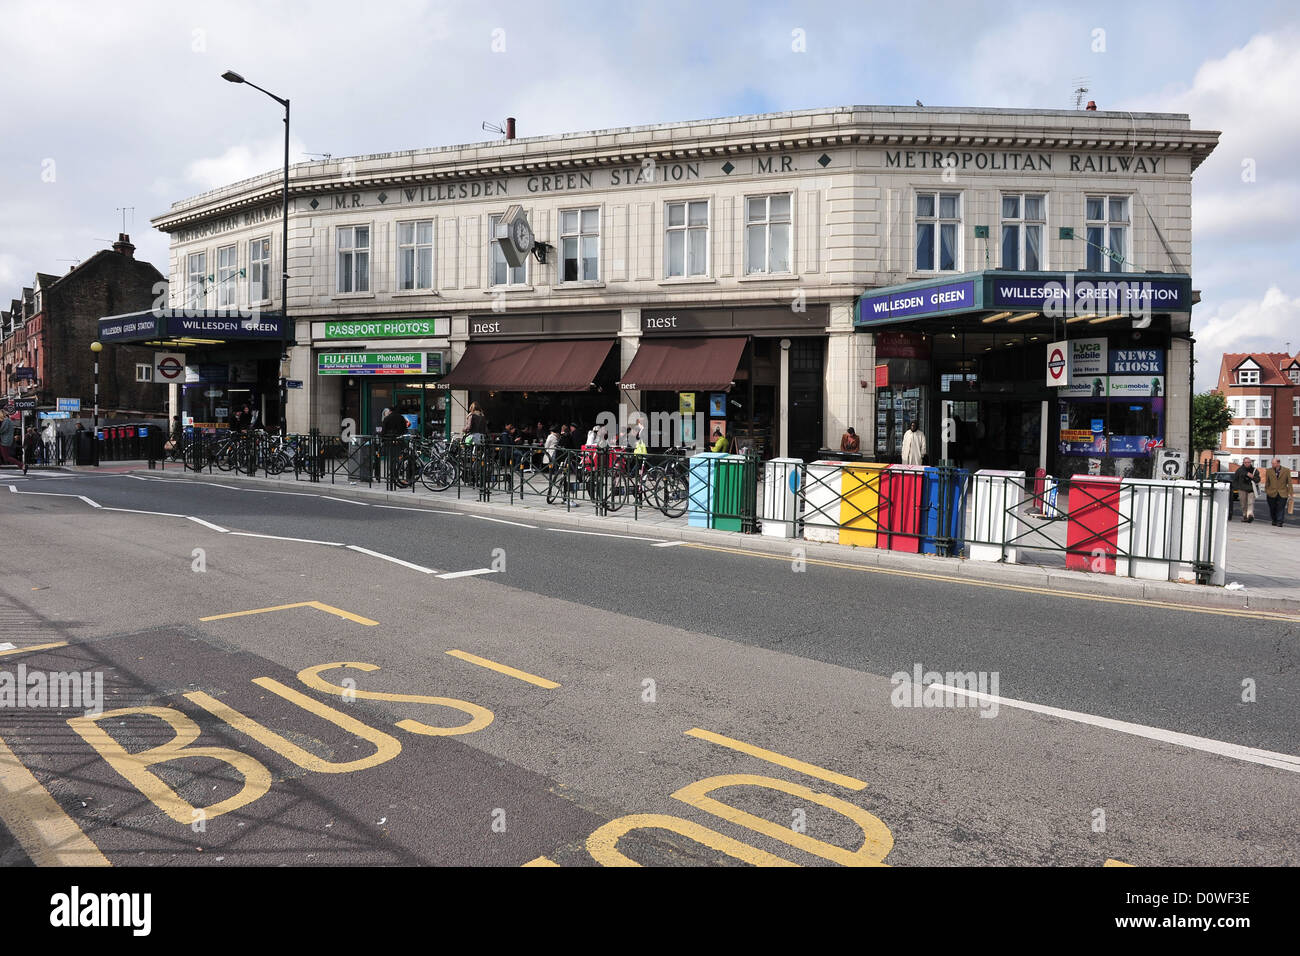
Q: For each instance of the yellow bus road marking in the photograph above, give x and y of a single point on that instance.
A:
(504, 669)
(328, 609)
(48, 835)
(541, 861)
(1026, 588)
(771, 756)
(33, 647)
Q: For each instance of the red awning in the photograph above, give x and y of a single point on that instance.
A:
(684, 365)
(556, 366)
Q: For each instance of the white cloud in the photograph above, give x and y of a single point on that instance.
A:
(241, 161)
(1253, 325)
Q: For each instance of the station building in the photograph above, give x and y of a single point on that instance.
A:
(788, 275)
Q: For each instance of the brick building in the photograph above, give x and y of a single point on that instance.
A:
(49, 330)
(1262, 390)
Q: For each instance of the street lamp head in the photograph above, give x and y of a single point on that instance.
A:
(96, 347)
(232, 76)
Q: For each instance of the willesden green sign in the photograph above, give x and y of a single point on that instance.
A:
(376, 363)
(384, 328)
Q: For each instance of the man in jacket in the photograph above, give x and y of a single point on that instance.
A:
(1244, 481)
(7, 455)
(1277, 488)
(914, 445)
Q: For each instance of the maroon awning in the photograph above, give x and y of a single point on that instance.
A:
(684, 365)
(556, 366)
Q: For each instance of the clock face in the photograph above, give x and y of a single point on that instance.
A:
(521, 234)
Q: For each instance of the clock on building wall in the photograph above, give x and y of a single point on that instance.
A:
(515, 236)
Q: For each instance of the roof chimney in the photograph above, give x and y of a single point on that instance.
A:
(510, 127)
(1092, 105)
(123, 245)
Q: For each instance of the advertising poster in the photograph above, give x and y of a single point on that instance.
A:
(686, 404)
(1137, 386)
(718, 404)
(1087, 359)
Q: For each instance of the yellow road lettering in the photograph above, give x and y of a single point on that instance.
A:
(480, 717)
(877, 839)
(135, 766)
(386, 746)
(603, 843)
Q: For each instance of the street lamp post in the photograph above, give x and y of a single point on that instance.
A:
(96, 348)
(233, 77)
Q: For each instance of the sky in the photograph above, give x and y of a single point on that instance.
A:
(119, 103)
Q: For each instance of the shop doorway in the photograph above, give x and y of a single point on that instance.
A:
(423, 404)
(807, 374)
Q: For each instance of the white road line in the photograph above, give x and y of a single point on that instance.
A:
(600, 534)
(56, 494)
(668, 544)
(426, 511)
(517, 524)
(137, 511)
(389, 557)
(208, 524)
(6, 646)
(1268, 758)
(466, 574)
(276, 537)
(346, 501)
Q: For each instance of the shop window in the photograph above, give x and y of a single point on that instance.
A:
(938, 232)
(502, 272)
(580, 245)
(415, 255)
(1108, 233)
(768, 234)
(259, 270)
(196, 278)
(227, 273)
(354, 259)
(686, 239)
(1024, 225)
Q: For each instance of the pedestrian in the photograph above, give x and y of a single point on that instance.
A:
(1244, 483)
(849, 441)
(914, 445)
(1277, 488)
(49, 441)
(31, 447)
(7, 455)
(719, 441)
(394, 425)
(475, 425)
(569, 436)
(552, 443)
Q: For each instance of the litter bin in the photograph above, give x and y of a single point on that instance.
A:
(902, 493)
(361, 459)
(1092, 526)
(943, 510)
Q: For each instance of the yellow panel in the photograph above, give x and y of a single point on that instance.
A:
(860, 507)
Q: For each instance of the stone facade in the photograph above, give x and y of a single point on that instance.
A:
(852, 175)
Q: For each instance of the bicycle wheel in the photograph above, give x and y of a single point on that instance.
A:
(617, 489)
(438, 474)
(671, 493)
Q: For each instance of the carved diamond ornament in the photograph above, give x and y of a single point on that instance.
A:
(728, 168)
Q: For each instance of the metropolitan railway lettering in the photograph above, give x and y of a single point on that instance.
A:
(1017, 162)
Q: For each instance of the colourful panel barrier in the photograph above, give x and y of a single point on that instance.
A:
(701, 489)
(1093, 523)
(821, 501)
(901, 508)
(943, 508)
(860, 510)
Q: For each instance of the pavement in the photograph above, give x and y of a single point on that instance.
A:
(381, 681)
(1263, 562)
